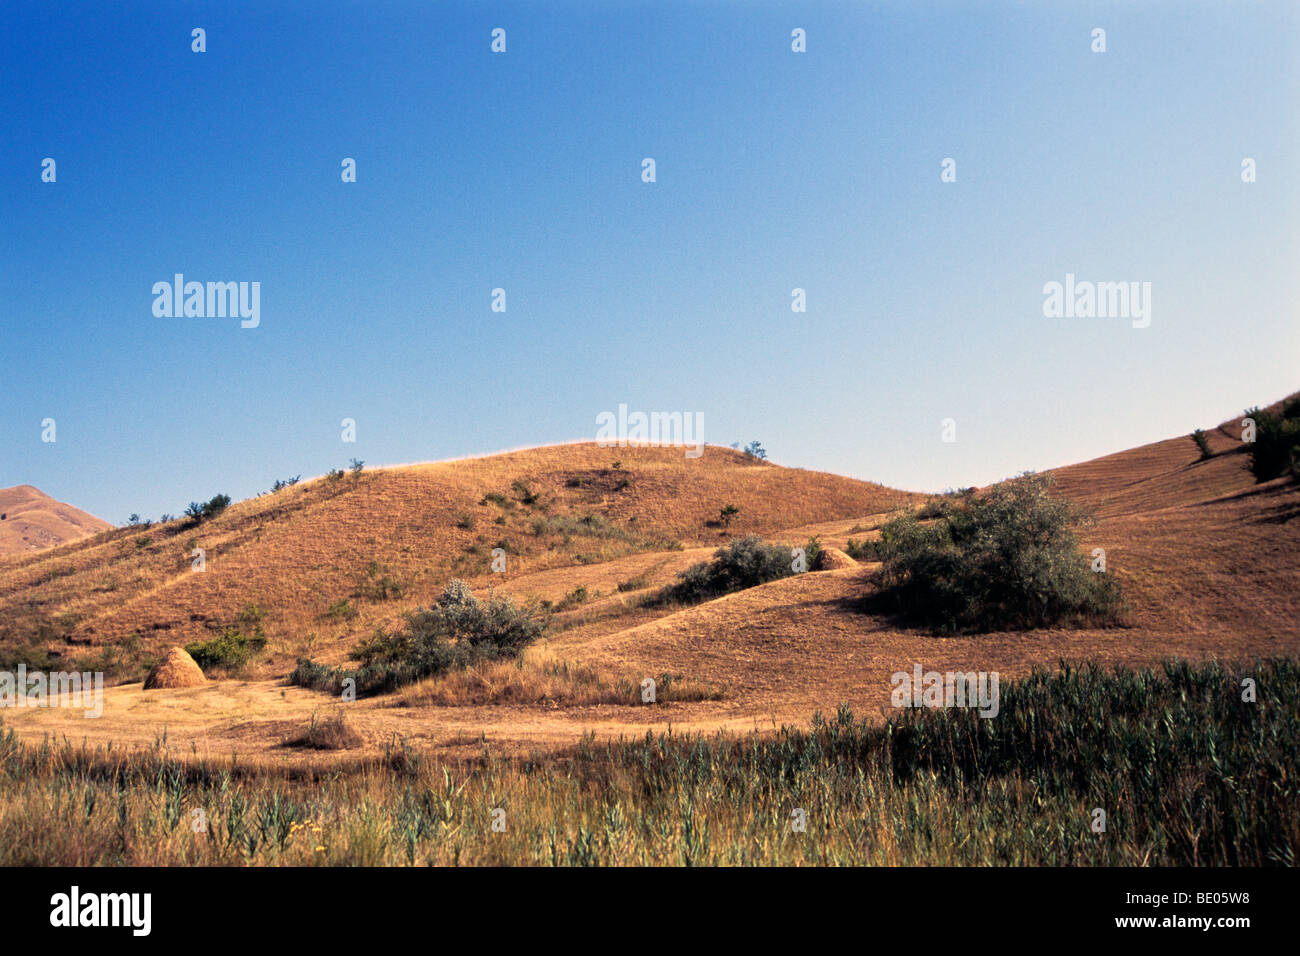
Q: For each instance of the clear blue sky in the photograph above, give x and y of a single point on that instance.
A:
(522, 170)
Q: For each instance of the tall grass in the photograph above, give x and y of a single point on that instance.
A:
(1187, 773)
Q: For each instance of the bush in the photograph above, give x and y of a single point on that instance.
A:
(197, 512)
(1202, 442)
(862, 550)
(1006, 560)
(457, 631)
(1276, 449)
(744, 563)
(236, 645)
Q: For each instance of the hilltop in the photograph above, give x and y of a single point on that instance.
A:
(33, 521)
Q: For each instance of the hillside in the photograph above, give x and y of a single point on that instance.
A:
(32, 520)
(1208, 559)
(388, 540)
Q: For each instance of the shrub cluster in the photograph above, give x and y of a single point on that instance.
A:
(458, 630)
(743, 563)
(235, 646)
(197, 511)
(1006, 560)
(1276, 449)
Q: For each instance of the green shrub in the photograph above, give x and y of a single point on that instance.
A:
(744, 563)
(235, 646)
(1005, 560)
(457, 631)
(578, 595)
(341, 610)
(861, 550)
(197, 512)
(526, 495)
(1276, 449)
(1202, 442)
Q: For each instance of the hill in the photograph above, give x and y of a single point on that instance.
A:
(1208, 559)
(32, 520)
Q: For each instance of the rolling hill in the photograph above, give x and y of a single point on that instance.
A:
(33, 521)
(1209, 561)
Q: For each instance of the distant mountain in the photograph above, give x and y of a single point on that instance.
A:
(32, 520)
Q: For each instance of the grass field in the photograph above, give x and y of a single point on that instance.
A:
(1187, 773)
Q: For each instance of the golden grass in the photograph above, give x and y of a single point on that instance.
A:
(542, 678)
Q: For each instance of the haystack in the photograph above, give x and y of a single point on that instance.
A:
(176, 670)
(832, 559)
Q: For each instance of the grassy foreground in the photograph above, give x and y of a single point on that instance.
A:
(1186, 771)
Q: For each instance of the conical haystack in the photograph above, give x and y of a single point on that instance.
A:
(176, 670)
(832, 559)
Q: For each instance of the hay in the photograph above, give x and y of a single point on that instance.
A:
(176, 670)
(832, 559)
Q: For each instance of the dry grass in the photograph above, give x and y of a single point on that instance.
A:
(335, 732)
(541, 678)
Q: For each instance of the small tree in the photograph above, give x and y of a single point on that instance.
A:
(209, 509)
(1276, 448)
(754, 450)
(727, 513)
(355, 466)
(1202, 442)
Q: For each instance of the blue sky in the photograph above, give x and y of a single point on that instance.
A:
(522, 170)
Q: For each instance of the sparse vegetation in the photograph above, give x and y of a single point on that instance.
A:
(1007, 560)
(333, 733)
(341, 610)
(574, 598)
(726, 513)
(378, 583)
